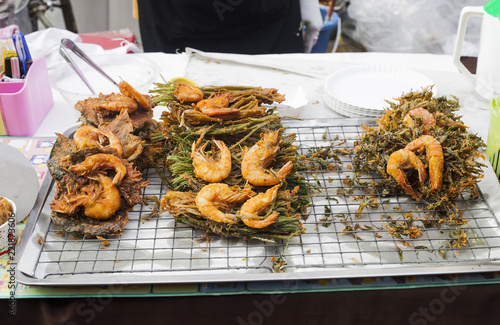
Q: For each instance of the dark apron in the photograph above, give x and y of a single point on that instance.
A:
(229, 26)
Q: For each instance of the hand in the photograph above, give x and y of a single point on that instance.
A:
(311, 17)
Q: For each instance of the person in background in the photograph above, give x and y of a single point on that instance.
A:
(313, 22)
(229, 26)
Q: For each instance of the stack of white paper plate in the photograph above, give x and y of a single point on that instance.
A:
(363, 90)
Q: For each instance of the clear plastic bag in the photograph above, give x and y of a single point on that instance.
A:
(411, 26)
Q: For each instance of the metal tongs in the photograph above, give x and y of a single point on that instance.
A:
(67, 44)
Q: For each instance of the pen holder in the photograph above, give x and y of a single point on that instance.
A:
(24, 105)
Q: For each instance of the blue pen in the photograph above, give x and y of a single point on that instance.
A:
(22, 52)
(29, 60)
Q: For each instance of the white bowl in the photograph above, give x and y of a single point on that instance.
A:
(139, 72)
(6, 243)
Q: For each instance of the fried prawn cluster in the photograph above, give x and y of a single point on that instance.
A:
(232, 168)
(420, 147)
(97, 179)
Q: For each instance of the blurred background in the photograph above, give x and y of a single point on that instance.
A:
(412, 26)
(81, 16)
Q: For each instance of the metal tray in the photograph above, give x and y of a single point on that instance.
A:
(159, 250)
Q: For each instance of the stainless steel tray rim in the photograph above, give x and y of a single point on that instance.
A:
(241, 265)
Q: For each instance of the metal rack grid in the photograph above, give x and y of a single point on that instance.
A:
(161, 246)
(330, 242)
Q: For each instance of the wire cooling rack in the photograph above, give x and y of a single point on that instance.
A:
(340, 240)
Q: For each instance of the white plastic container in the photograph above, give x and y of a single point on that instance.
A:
(487, 79)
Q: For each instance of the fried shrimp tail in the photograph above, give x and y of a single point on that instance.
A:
(258, 157)
(114, 141)
(87, 136)
(435, 158)
(211, 169)
(254, 206)
(98, 162)
(216, 104)
(116, 102)
(142, 100)
(185, 92)
(404, 159)
(425, 115)
(99, 198)
(213, 198)
(106, 202)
